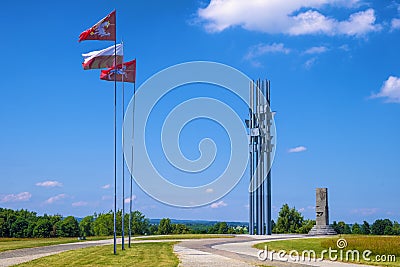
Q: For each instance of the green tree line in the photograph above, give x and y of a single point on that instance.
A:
(23, 223)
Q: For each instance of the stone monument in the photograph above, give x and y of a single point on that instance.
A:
(322, 226)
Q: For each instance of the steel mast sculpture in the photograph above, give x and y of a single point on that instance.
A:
(260, 150)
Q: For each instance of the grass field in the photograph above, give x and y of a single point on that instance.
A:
(17, 243)
(380, 246)
(183, 236)
(143, 255)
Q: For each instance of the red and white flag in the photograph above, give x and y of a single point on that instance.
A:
(103, 59)
(125, 72)
(103, 30)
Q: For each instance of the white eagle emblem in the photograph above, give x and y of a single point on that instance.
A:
(101, 30)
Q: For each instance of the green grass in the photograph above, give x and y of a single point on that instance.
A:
(183, 236)
(379, 245)
(143, 255)
(17, 243)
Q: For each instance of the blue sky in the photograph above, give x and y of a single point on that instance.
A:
(334, 67)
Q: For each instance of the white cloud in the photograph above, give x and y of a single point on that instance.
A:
(365, 211)
(23, 196)
(302, 209)
(106, 186)
(218, 204)
(261, 49)
(309, 63)
(79, 204)
(297, 149)
(55, 198)
(316, 50)
(127, 200)
(359, 24)
(209, 190)
(107, 197)
(49, 184)
(390, 90)
(276, 16)
(311, 22)
(395, 24)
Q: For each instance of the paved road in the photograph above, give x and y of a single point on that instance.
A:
(218, 252)
(12, 257)
(239, 252)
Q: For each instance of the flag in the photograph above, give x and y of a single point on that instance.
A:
(125, 72)
(102, 30)
(103, 58)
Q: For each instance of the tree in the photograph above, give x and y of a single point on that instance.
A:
(68, 227)
(289, 220)
(19, 227)
(43, 227)
(153, 229)
(3, 227)
(86, 226)
(180, 229)
(347, 229)
(365, 228)
(341, 227)
(396, 228)
(273, 225)
(104, 224)
(381, 227)
(165, 227)
(306, 227)
(140, 224)
(356, 229)
(222, 228)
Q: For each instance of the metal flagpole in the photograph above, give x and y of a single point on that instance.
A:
(123, 157)
(115, 141)
(133, 135)
(115, 148)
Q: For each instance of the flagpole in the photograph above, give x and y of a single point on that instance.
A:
(115, 141)
(133, 135)
(123, 156)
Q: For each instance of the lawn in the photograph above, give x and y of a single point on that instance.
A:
(17, 243)
(183, 236)
(143, 255)
(380, 246)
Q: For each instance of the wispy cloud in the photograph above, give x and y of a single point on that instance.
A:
(80, 204)
(365, 211)
(23, 196)
(49, 184)
(218, 204)
(395, 24)
(261, 49)
(55, 198)
(277, 17)
(390, 90)
(309, 63)
(128, 199)
(257, 51)
(209, 190)
(106, 197)
(106, 186)
(316, 50)
(297, 149)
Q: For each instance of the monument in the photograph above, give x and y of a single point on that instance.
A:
(322, 226)
(260, 155)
